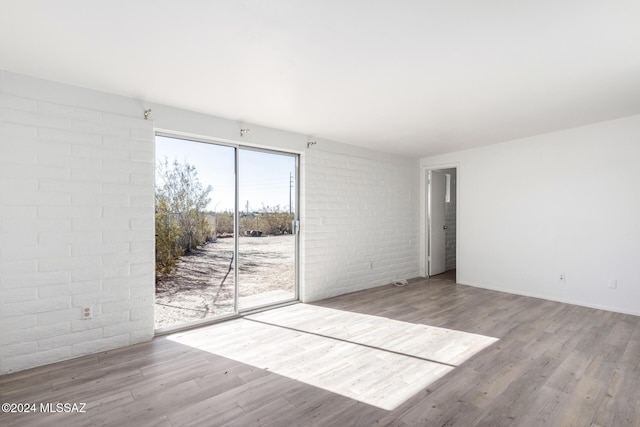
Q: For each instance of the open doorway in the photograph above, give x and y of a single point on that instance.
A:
(441, 222)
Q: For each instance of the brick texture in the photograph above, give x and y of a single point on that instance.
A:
(77, 226)
(76, 207)
(360, 222)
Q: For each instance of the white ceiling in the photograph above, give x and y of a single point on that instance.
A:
(415, 77)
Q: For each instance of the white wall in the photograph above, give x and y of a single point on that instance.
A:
(76, 216)
(76, 223)
(564, 202)
(361, 216)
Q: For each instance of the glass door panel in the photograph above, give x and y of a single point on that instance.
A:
(225, 241)
(195, 243)
(267, 243)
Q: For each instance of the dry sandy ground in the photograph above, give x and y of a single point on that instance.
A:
(196, 290)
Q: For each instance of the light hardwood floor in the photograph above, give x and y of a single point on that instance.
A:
(511, 361)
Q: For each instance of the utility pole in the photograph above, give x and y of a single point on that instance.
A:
(291, 182)
(247, 207)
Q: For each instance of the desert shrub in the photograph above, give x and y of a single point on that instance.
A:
(224, 223)
(181, 223)
(167, 235)
(247, 222)
(270, 221)
(274, 222)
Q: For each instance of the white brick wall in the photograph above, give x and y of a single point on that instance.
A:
(358, 210)
(76, 217)
(76, 230)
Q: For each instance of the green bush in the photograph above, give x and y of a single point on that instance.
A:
(272, 221)
(181, 222)
(224, 223)
(167, 235)
(269, 221)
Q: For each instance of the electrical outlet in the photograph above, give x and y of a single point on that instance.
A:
(87, 313)
(562, 277)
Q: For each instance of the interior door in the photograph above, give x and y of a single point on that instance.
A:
(436, 222)
(267, 228)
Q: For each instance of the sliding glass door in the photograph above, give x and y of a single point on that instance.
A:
(267, 219)
(225, 236)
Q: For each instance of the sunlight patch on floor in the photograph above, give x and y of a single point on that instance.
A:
(375, 360)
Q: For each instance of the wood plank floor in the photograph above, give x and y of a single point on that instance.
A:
(552, 364)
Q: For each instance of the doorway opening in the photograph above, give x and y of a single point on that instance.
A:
(442, 222)
(226, 238)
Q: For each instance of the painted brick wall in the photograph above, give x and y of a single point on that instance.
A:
(76, 217)
(360, 222)
(76, 230)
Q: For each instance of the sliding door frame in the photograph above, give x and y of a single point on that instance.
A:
(236, 230)
(296, 219)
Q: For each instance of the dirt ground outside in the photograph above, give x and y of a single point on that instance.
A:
(203, 284)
